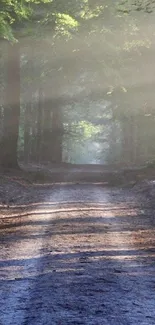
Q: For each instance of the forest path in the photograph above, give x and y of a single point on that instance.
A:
(84, 254)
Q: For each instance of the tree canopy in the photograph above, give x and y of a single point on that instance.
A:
(84, 68)
(59, 14)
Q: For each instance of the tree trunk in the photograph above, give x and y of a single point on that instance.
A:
(46, 133)
(128, 140)
(27, 131)
(57, 135)
(1, 123)
(9, 140)
(39, 124)
(52, 134)
(33, 129)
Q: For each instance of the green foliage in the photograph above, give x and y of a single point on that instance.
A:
(84, 130)
(13, 12)
(63, 16)
(62, 23)
(5, 29)
(81, 143)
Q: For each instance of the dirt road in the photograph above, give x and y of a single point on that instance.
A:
(82, 255)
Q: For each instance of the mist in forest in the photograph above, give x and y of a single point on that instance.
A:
(80, 94)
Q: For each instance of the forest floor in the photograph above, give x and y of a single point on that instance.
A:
(76, 253)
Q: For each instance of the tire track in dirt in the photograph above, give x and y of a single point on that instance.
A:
(20, 263)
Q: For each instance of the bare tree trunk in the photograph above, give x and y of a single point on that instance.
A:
(128, 142)
(57, 135)
(33, 130)
(46, 133)
(27, 131)
(52, 134)
(12, 109)
(39, 124)
(1, 122)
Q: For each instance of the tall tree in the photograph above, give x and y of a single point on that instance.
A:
(11, 108)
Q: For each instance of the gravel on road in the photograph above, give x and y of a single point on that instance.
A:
(78, 254)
